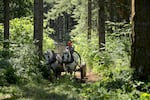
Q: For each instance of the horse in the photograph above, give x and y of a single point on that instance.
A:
(70, 61)
(54, 62)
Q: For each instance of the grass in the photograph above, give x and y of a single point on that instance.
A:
(45, 90)
(70, 89)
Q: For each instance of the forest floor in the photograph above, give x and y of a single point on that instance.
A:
(62, 89)
(90, 76)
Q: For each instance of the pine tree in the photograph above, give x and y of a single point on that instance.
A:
(141, 38)
(6, 23)
(101, 24)
(1, 10)
(38, 26)
(89, 20)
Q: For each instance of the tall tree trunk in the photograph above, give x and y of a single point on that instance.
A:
(6, 24)
(1, 10)
(111, 10)
(123, 11)
(101, 24)
(140, 59)
(89, 20)
(38, 26)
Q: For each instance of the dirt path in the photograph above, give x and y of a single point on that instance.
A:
(90, 76)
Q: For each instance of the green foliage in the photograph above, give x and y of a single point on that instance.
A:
(117, 48)
(24, 61)
(86, 50)
(21, 8)
(76, 8)
(48, 43)
(112, 64)
(98, 92)
(7, 72)
(10, 75)
(22, 65)
(43, 90)
(21, 30)
(145, 96)
(3, 81)
(59, 8)
(70, 89)
(118, 28)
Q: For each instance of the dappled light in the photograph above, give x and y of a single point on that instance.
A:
(74, 50)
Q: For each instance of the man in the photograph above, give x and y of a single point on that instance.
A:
(70, 47)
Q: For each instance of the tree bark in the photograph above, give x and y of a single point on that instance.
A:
(101, 24)
(38, 26)
(140, 58)
(123, 12)
(89, 20)
(1, 10)
(111, 10)
(6, 23)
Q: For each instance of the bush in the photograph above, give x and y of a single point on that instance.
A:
(21, 30)
(22, 65)
(112, 64)
(10, 75)
(25, 62)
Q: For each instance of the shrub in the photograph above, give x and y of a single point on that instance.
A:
(22, 64)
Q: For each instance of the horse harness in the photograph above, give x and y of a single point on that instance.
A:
(53, 58)
(72, 58)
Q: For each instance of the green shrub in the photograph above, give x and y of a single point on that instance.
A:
(112, 64)
(3, 81)
(24, 61)
(145, 96)
(21, 30)
(22, 65)
(10, 75)
(48, 43)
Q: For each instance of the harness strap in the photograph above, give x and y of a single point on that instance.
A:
(78, 55)
(68, 62)
(54, 58)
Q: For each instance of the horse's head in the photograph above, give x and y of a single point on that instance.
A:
(49, 55)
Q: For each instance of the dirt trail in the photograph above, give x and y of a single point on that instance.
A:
(90, 76)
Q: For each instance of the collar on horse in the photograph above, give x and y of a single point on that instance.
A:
(72, 59)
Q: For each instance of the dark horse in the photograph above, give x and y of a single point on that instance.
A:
(54, 62)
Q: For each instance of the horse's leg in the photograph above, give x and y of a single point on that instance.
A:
(64, 67)
(58, 74)
(71, 72)
(49, 73)
(74, 72)
(74, 68)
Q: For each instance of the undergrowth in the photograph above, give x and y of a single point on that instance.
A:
(21, 77)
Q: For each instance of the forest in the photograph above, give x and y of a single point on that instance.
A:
(74, 50)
